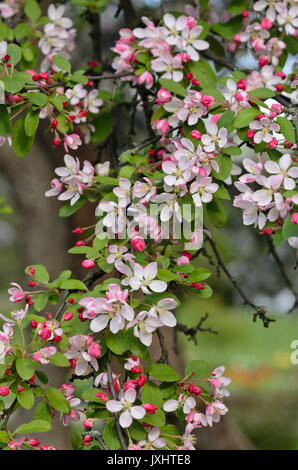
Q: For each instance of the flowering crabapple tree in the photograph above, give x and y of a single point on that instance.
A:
(215, 131)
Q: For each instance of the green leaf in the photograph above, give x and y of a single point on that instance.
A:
(72, 284)
(37, 425)
(59, 360)
(41, 301)
(233, 150)
(21, 143)
(25, 367)
(172, 86)
(289, 229)
(225, 119)
(4, 437)
(216, 213)
(26, 397)
(103, 127)
(76, 441)
(152, 394)
(15, 53)
(262, 93)
(110, 436)
(104, 265)
(163, 372)
(61, 62)
(39, 99)
(245, 117)
(67, 210)
(222, 192)
(199, 275)
(5, 126)
(228, 29)
(203, 71)
(43, 412)
(57, 400)
(137, 431)
(225, 167)
(41, 272)
(118, 343)
(237, 6)
(90, 395)
(198, 367)
(158, 419)
(166, 275)
(32, 10)
(31, 122)
(286, 128)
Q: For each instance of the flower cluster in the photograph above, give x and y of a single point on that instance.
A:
(273, 200)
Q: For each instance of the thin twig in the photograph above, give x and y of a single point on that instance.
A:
(164, 358)
(260, 311)
(7, 413)
(112, 389)
(192, 332)
(88, 281)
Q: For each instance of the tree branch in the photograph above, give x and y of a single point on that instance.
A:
(164, 358)
(260, 311)
(7, 413)
(112, 389)
(192, 332)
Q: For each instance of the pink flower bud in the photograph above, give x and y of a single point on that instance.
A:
(87, 440)
(88, 423)
(266, 23)
(34, 442)
(150, 408)
(95, 350)
(136, 370)
(88, 263)
(161, 126)
(263, 61)
(273, 143)
(67, 316)
(294, 218)
(141, 380)
(207, 100)
(102, 396)
(241, 84)
(20, 389)
(4, 391)
(45, 333)
(182, 260)
(195, 134)
(138, 243)
(163, 96)
(34, 324)
(250, 133)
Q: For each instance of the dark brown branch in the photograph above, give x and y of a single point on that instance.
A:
(164, 358)
(260, 311)
(6, 414)
(129, 12)
(112, 389)
(192, 332)
(283, 271)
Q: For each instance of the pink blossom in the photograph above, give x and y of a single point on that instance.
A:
(42, 356)
(125, 407)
